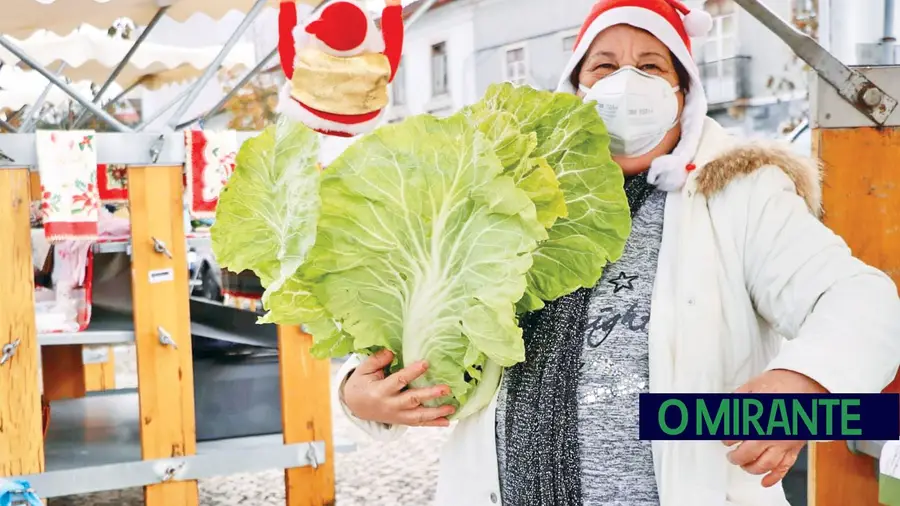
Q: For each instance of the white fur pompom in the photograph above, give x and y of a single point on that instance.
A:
(668, 172)
(698, 23)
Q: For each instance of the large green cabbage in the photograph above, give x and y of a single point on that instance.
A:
(427, 236)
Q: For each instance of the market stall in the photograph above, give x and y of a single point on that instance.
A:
(148, 437)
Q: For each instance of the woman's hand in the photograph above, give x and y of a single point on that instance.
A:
(391, 3)
(371, 396)
(772, 458)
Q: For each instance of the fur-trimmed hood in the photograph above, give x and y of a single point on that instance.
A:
(722, 158)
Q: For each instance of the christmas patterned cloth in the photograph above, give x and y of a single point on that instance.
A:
(70, 201)
(113, 183)
(209, 163)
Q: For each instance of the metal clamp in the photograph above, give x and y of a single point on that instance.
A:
(311, 455)
(156, 148)
(8, 351)
(850, 84)
(170, 472)
(161, 248)
(165, 338)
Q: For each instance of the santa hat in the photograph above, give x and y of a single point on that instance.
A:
(673, 24)
(342, 28)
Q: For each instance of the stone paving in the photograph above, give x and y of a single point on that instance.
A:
(402, 473)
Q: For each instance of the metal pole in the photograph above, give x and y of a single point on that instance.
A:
(112, 101)
(197, 88)
(34, 113)
(145, 123)
(888, 42)
(854, 87)
(9, 128)
(100, 113)
(122, 64)
(243, 82)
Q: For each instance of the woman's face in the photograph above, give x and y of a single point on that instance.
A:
(624, 45)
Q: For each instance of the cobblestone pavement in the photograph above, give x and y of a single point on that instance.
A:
(402, 473)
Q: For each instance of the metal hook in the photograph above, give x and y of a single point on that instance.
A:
(160, 247)
(165, 338)
(156, 148)
(9, 351)
(311, 455)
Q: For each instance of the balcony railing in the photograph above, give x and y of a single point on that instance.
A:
(726, 80)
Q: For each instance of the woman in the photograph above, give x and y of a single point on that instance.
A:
(726, 259)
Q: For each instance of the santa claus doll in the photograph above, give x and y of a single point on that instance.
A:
(338, 65)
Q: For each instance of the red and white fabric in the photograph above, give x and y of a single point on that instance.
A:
(209, 163)
(70, 201)
(112, 182)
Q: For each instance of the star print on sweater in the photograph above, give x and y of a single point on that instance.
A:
(623, 282)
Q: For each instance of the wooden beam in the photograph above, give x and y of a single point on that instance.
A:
(100, 375)
(862, 202)
(21, 437)
(160, 293)
(306, 415)
(63, 372)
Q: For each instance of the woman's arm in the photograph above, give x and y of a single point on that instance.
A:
(841, 317)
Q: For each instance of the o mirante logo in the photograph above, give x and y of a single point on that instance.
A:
(767, 416)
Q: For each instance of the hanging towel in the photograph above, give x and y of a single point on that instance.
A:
(70, 201)
(209, 163)
(112, 180)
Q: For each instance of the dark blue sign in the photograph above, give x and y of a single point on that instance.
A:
(748, 417)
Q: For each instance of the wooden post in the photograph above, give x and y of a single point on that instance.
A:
(21, 438)
(63, 372)
(161, 308)
(99, 376)
(862, 205)
(306, 415)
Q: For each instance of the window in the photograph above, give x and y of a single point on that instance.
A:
(439, 81)
(721, 64)
(398, 90)
(721, 43)
(569, 43)
(515, 68)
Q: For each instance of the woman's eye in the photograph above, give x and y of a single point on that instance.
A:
(649, 67)
(605, 66)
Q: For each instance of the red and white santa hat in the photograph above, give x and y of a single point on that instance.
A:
(674, 25)
(344, 28)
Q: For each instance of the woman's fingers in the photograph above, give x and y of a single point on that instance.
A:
(747, 452)
(422, 416)
(767, 462)
(376, 363)
(401, 379)
(781, 470)
(413, 398)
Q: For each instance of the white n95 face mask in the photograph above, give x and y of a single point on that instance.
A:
(638, 109)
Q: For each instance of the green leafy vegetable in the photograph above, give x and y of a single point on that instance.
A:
(569, 137)
(266, 216)
(429, 237)
(422, 248)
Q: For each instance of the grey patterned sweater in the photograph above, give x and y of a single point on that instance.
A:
(617, 468)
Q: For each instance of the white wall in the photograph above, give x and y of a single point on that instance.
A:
(453, 25)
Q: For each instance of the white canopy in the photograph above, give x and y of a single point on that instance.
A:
(19, 88)
(21, 18)
(90, 55)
